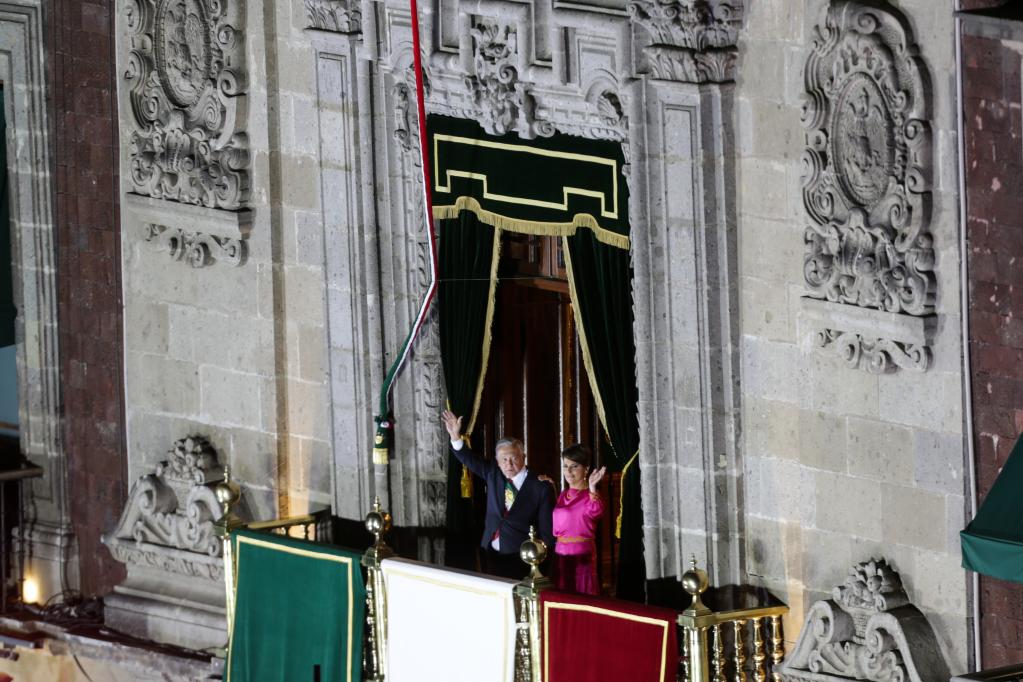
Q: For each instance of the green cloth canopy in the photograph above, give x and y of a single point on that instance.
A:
(993, 542)
(300, 608)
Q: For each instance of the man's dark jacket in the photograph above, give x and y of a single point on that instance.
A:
(533, 506)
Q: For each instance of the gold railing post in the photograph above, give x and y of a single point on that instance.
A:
(777, 648)
(228, 493)
(533, 551)
(694, 621)
(378, 522)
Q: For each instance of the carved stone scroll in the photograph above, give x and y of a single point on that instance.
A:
(693, 41)
(196, 248)
(340, 16)
(866, 183)
(185, 75)
(868, 630)
(174, 591)
(174, 509)
(501, 101)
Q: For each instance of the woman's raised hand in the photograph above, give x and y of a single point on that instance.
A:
(453, 424)
(595, 477)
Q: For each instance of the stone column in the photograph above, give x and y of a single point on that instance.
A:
(686, 306)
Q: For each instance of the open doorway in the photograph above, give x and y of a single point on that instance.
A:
(536, 386)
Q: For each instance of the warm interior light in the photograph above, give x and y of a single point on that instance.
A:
(30, 590)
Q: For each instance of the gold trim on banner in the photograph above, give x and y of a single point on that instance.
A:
(646, 620)
(526, 149)
(487, 336)
(545, 229)
(273, 546)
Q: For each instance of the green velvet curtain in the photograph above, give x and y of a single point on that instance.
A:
(467, 253)
(600, 279)
(561, 186)
(7, 310)
(300, 611)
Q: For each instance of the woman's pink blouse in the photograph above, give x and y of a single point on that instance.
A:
(575, 521)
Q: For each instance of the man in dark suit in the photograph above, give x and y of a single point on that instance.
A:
(516, 500)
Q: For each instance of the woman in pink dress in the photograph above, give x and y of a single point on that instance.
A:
(576, 513)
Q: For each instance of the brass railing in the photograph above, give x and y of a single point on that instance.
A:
(714, 643)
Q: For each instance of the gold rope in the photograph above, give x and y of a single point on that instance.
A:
(546, 229)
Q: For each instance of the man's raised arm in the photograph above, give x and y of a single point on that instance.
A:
(467, 457)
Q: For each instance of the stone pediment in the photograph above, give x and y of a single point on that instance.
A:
(868, 630)
(168, 520)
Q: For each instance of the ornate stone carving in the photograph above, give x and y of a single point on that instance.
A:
(340, 16)
(869, 630)
(186, 87)
(691, 40)
(879, 356)
(196, 248)
(168, 521)
(501, 102)
(866, 181)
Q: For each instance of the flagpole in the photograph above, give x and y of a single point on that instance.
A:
(384, 420)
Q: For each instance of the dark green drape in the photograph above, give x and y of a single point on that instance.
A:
(601, 283)
(300, 610)
(7, 309)
(466, 254)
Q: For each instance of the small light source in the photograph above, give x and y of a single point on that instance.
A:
(30, 590)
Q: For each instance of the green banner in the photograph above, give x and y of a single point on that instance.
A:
(299, 611)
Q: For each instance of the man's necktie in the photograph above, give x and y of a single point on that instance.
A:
(509, 493)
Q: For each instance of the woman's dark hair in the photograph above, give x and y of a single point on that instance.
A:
(578, 453)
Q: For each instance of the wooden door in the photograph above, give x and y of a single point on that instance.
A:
(536, 386)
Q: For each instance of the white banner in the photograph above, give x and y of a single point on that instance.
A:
(447, 626)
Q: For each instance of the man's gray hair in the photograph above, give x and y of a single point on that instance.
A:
(511, 443)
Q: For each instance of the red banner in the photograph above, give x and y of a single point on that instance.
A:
(592, 639)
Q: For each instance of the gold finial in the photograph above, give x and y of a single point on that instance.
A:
(696, 582)
(378, 522)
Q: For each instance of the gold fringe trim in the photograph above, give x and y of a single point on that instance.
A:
(491, 304)
(545, 229)
(621, 500)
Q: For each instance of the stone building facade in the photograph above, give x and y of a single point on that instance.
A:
(236, 221)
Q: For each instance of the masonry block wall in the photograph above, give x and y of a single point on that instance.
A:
(842, 465)
(80, 57)
(994, 172)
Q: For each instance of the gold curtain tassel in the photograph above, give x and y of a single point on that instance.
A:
(466, 483)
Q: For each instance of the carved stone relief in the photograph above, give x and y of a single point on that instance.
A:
(866, 183)
(196, 248)
(691, 40)
(168, 520)
(502, 102)
(340, 16)
(868, 630)
(186, 83)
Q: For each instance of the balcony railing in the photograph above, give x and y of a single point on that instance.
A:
(715, 644)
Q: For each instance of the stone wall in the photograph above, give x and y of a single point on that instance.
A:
(842, 464)
(994, 163)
